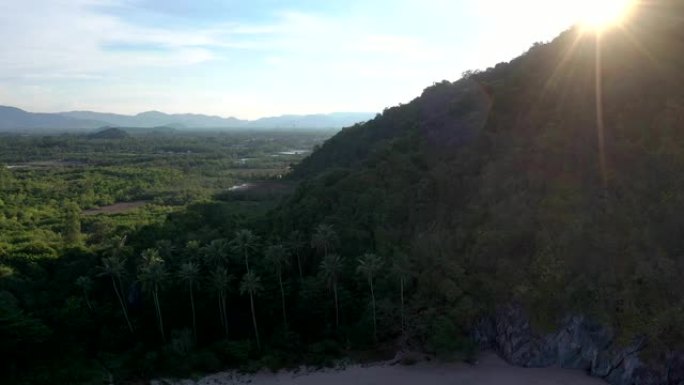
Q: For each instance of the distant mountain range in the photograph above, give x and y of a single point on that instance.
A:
(17, 120)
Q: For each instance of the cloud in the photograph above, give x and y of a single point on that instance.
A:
(59, 39)
(244, 58)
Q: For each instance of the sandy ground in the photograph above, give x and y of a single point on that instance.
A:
(116, 208)
(490, 370)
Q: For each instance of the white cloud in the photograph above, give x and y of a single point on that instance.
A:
(72, 54)
(62, 39)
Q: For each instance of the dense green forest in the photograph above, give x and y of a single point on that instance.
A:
(66, 201)
(531, 182)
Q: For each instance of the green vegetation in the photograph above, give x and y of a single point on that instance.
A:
(489, 190)
(86, 251)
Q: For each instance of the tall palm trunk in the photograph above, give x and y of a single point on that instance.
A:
(246, 261)
(224, 313)
(337, 311)
(194, 317)
(220, 308)
(282, 297)
(299, 265)
(375, 327)
(123, 305)
(159, 314)
(87, 300)
(254, 321)
(403, 321)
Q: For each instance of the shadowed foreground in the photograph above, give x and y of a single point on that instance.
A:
(491, 370)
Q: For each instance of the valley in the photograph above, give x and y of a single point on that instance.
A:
(504, 226)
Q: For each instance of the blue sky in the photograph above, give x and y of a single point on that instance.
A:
(254, 58)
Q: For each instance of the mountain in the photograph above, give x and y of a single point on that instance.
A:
(157, 119)
(552, 182)
(14, 119)
(109, 133)
(333, 120)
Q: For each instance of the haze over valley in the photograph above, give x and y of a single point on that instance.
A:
(20, 121)
(518, 223)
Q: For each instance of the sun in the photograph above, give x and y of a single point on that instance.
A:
(602, 14)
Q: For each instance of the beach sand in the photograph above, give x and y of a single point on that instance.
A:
(490, 370)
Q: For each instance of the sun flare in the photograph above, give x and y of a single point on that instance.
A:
(602, 14)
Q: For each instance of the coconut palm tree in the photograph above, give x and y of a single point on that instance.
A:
(166, 249)
(401, 269)
(276, 257)
(188, 273)
(215, 253)
(86, 284)
(192, 247)
(219, 280)
(296, 244)
(152, 274)
(369, 265)
(251, 284)
(323, 238)
(244, 243)
(330, 268)
(114, 267)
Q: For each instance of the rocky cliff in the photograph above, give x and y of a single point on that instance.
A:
(579, 343)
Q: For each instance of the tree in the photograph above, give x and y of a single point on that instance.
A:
(324, 238)
(72, 224)
(188, 273)
(152, 274)
(296, 243)
(369, 265)
(330, 268)
(113, 266)
(401, 269)
(244, 243)
(215, 253)
(276, 257)
(251, 284)
(219, 281)
(86, 284)
(166, 249)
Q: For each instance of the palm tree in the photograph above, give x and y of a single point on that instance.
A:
(152, 274)
(166, 249)
(114, 267)
(86, 285)
(215, 253)
(219, 281)
(324, 238)
(331, 267)
(276, 256)
(243, 243)
(401, 269)
(369, 265)
(188, 273)
(296, 243)
(251, 284)
(192, 247)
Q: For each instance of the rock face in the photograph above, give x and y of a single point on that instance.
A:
(578, 344)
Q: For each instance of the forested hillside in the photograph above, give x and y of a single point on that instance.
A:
(553, 181)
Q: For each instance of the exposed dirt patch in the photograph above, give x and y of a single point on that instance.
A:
(116, 208)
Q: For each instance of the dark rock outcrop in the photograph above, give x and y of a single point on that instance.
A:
(578, 344)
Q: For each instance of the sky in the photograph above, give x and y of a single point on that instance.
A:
(255, 58)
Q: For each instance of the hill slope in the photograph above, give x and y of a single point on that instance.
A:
(542, 181)
(109, 133)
